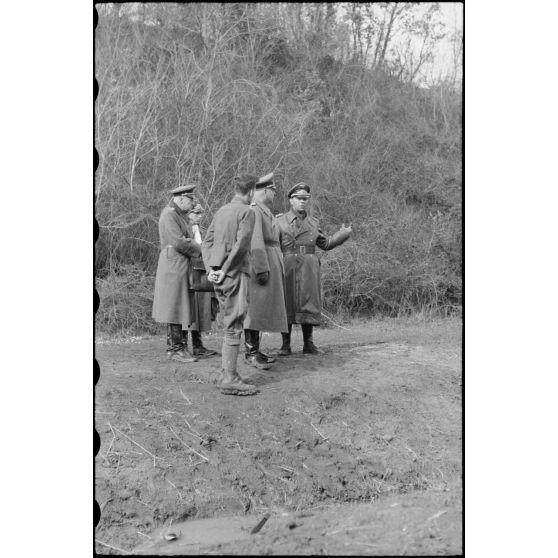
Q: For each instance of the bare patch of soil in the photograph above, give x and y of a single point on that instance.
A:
(356, 451)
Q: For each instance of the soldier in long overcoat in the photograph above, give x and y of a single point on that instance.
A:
(266, 311)
(173, 302)
(226, 255)
(300, 233)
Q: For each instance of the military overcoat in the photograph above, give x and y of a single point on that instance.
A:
(299, 238)
(266, 311)
(172, 301)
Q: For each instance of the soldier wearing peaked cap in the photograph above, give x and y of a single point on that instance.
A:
(266, 310)
(300, 233)
(173, 303)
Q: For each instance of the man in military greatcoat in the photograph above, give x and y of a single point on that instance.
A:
(173, 303)
(300, 233)
(266, 311)
(226, 255)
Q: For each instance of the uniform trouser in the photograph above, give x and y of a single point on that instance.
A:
(233, 295)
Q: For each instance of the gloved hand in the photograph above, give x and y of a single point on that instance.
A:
(346, 230)
(262, 278)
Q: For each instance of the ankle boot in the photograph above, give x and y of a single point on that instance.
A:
(252, 354)
(309, 348)
(198, 349)
(285, 349)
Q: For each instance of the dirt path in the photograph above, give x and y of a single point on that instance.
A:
(357, 451)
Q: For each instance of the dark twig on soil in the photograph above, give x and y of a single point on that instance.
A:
(260, 524)
(185, 444)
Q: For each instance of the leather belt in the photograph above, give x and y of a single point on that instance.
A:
(271, 243)
(310, 249)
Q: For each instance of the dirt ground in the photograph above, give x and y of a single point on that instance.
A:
(356, 451)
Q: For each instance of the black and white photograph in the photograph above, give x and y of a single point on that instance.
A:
(279, 278)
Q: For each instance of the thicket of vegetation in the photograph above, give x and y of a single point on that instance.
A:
(314, 92)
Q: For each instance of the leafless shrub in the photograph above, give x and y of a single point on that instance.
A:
(198, 92)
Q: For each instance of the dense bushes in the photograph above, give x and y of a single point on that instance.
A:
(178, 105)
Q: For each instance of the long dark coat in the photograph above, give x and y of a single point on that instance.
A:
(266, 311)
(172, 301)
(303, 297)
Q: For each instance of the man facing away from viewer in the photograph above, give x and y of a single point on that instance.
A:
(226, 252)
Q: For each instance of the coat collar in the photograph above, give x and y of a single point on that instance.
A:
(172, 205)
(291, 215)
(237, 201)
(264, 208)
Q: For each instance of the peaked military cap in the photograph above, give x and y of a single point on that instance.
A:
(300, 189)
(265, 181)
(184, 190)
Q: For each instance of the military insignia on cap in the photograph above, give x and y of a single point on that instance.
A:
(300, 188)
(181, 190)
(265, 181)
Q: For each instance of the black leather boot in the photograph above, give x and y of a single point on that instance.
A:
(256, 336)
(285, 349)
(309, 348)
(252, 354)
(176, 344)
(198, 350)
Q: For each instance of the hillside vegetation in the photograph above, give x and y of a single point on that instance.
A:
(200, 92)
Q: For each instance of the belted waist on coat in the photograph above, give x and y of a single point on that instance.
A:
(271, 243)
(304, 249)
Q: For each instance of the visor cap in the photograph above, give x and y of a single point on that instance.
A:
(301, 189)
(184, 190)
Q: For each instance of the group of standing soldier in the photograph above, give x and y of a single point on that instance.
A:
(263, 269)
